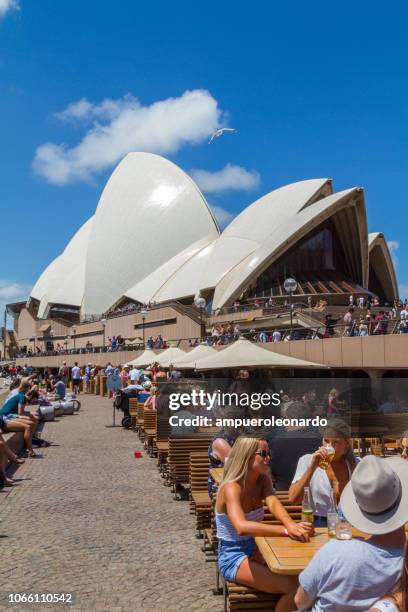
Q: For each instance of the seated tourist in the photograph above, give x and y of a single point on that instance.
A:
(245, 485)
(13, 388)
(59, 387)
(323, 481)
(398, 600)
(6, 454)
(150, 403)
(144, 391)
(33, 395)
(14, 406)
(15, 419)
(353, 575)
(173, 373)
(221, 446)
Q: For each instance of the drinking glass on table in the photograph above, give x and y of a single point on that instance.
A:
(343, 528)
(332, 520)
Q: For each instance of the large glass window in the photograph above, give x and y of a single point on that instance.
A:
(319, 252)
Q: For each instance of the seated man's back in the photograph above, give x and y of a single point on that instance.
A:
(351, 575)
(60, 389)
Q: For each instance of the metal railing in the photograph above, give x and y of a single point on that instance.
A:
(284, 334)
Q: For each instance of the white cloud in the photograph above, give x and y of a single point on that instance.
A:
(124, 125)
(85, 111)
(11, 292)
(8, 5)
(393, 246)
(229, 178)
(223, 216)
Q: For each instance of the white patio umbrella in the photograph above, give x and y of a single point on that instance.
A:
(189, 360)
(148, 356)
(169, 356)
(245, 354)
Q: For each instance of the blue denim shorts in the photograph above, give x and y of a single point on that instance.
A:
(320, 521)
(232, 554)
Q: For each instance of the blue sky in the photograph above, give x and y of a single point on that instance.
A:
(314, 90)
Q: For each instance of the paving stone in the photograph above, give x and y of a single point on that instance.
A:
(91, 519)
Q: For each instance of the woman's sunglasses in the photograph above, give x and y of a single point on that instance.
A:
(263, 453)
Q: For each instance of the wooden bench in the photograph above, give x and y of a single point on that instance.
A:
(199, 499)
(238, 597)
(133, 408)
(150, 429)
(162, 448)
(140, 421)
(179, 459)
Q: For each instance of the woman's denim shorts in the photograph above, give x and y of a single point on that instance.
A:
(232, 554)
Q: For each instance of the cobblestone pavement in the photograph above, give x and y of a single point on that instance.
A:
(91, 519)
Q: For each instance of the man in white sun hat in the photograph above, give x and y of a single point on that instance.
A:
(351, 575)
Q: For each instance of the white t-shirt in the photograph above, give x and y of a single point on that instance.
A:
(76, 373)
(320, 487)
(134, 374)
(351, 575)
(276, 336)
(404, 315)
(385, 605)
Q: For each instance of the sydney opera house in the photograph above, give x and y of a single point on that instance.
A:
(154, 239)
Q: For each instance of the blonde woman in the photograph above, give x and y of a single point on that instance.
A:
(239, 513)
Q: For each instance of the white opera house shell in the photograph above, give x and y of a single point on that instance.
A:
(154, 238)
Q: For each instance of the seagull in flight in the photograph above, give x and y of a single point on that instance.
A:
(219, 133)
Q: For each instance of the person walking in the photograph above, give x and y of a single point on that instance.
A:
(76, 378)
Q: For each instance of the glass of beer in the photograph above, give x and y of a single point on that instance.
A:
(307, 508)
(307, 516)
(324, 463)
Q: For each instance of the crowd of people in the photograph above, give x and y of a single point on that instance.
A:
(361, 574)
(16, 416)
(369, 324)
(370, 493)
(358, 320)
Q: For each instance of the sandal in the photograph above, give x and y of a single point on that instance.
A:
(18, 460)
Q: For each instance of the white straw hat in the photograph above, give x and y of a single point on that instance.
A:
(376, 498)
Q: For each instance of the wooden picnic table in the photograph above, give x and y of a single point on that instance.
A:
(290, 557)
